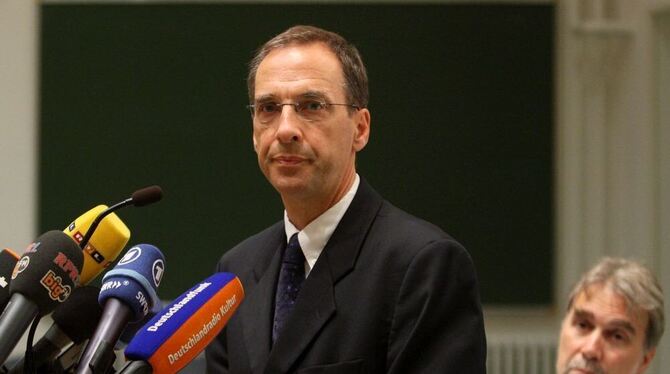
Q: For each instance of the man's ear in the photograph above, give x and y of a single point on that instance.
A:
(362, 133)
(646, 360)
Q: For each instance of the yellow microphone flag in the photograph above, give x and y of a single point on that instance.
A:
(104, 246)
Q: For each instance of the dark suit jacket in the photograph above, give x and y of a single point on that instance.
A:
(390, 293)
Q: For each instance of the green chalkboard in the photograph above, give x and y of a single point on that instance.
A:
(461, 101)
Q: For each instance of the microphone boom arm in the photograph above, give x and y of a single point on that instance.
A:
(100, 217)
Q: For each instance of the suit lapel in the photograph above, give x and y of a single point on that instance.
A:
(258, 308)
(343, 247)
(316, 302)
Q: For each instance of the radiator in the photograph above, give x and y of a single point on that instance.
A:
(521, 354)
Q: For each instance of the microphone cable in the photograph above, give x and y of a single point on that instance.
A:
(29, 368)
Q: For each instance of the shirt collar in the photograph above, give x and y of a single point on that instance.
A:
(315, 235)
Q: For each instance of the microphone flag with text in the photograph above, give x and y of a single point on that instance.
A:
(178, 333)
(43, 278)
(127, 294)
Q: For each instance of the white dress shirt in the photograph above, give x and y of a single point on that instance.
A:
(315, 235)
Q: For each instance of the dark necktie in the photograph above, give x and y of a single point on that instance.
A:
(291, 276)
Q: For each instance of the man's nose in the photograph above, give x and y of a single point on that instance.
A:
(288, 128)
(593, 347)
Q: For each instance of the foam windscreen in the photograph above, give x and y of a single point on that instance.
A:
(48, 271)
(105, 245)
(147, 195)
(134, 280)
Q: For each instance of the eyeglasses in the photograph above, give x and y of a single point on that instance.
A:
(309, 110)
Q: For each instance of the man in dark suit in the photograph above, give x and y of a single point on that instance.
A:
(346, 283)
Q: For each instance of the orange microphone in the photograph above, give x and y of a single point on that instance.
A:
(179, 332)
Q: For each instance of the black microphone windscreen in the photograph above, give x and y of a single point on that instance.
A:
(79, 315)
(48, 271)
(147, 195)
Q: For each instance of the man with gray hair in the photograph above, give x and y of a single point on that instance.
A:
(614, 320)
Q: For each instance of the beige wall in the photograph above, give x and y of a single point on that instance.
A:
(18, 116)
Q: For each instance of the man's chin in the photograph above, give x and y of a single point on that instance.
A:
(287, 186)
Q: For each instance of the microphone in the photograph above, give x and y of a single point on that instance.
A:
(133, 327)
(178, 333)
(127, 294)
(101, 253)
(8, 260)
(42, 279)
(103, 248)
(105, 244)
(141, 197)
(146, 196)
(74, 322)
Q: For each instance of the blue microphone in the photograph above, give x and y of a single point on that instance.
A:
(128, 293)
(133, 327)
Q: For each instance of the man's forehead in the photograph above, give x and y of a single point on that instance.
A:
(603, 295)
(602, 303)
(297, 54)
(278, 87)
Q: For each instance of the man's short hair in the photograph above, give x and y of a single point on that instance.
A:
(636, 284)
(355, 75)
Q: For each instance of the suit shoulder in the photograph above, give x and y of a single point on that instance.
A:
(398, 237)
(399, 223)
(251, 247)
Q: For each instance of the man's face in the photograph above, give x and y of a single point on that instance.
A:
(301, 158)
(601, 335)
